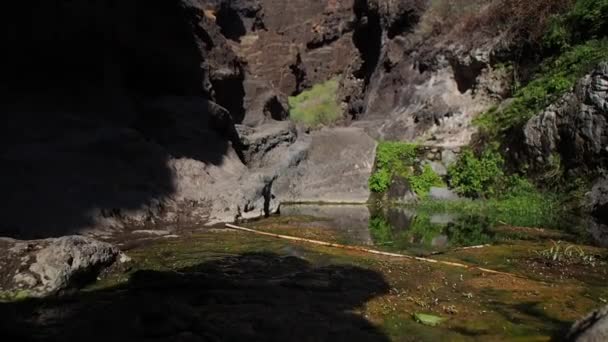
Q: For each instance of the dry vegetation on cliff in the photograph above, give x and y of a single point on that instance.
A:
(468, 21)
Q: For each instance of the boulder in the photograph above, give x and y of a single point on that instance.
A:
(597, 206)
(401, 191)
(443, 194)
(337, 168)
(597, 200)
(592, 328)
(44, 267)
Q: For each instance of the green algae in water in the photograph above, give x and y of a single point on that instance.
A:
(430, 320)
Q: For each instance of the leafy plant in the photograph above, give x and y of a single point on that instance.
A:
(423, 182)
(588, 19)
(391, 158)
(317, 106)
(556, 77)
(570, 254)
(474, 176)
(380, 180)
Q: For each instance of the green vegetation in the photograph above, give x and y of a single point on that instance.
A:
(474, 176)
(391, 158)
(395, 158)
(427, 319)
(317, 106)
(517, 208)
(588, 19)
(568, 254)
(470, 230)
(423, 182)
(556, 76)
(576, 40)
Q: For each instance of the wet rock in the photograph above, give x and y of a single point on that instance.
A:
(593, 328)
(338, 165)
(54, 265)
(443, 194)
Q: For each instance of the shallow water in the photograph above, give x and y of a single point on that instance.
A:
(220, 284)
(420, 232)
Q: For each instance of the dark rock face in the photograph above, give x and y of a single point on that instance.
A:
(593, 328)
(575, 127)
(44, 267)
(122, 113)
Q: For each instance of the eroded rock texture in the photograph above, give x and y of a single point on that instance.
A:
(123, 114)
(44, 267)
(575, 127)
(132, 113)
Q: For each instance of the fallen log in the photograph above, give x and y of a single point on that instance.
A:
(370, 251)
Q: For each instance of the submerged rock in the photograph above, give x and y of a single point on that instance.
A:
(592, 328)
(44, 267)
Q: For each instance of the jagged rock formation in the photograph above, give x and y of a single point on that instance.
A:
(123, 114)
(575, 127)
(43, 267)
(140, 114)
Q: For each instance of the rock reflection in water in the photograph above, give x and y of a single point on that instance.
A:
(352, 220)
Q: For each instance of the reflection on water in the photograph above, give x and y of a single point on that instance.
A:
(408, 230)
(420, 232)
(398, 229)
(351, 220)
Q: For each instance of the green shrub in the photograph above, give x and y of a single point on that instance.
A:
(588, 19)
(423, 182)
(317, 106)
(474, 176)
(556, 77)
(380, 181)
(391, 158)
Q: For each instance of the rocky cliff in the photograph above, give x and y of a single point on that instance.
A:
(174, 113)
(118, 114)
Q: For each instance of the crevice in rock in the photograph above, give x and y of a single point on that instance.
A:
(297, 69)
(268, 198)
(230, 94)
(230, 23)
(404, 24)
(275, 109)
(368, 39)
(466, 75)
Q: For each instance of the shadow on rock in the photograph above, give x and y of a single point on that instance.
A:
(255, 297)
(97, 98)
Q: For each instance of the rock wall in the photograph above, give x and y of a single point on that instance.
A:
(119, 114)
(574, 128)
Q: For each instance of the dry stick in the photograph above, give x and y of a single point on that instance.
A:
(366, 250)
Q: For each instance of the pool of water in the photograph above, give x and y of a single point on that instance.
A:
(420, 232)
